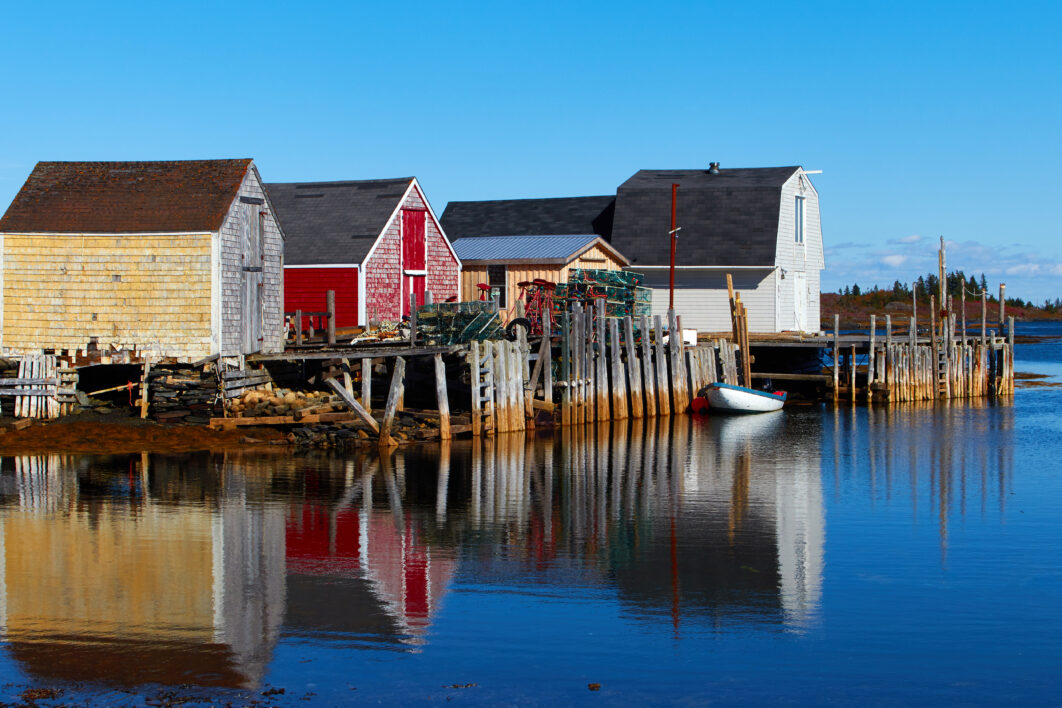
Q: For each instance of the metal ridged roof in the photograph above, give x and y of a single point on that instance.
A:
(497, 248)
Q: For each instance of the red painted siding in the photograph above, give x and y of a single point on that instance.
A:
(385, 286)
(305, 289)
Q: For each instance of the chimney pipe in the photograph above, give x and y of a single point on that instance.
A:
(713, 168)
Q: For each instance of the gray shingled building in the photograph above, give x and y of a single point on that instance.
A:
(761, 225)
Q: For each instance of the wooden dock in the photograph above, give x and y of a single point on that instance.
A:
(585, 368)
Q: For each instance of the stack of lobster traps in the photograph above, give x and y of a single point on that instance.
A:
(458, 323)
(621, 291)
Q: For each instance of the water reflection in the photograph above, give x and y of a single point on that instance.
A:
(191, 569)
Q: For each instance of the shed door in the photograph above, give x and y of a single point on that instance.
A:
(414, 261)
(251, 249)
(800, 300)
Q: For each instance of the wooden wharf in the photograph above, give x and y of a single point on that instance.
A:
(585, 368)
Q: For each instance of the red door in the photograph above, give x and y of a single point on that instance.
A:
(414, 265)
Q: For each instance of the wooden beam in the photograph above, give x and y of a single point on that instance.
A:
(398, 386)
(353, 404)
(358, 353)
(330, 305)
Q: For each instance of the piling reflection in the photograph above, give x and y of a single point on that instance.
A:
(189, 569)
(950, 458)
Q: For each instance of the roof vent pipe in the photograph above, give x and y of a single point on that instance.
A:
(713, 168)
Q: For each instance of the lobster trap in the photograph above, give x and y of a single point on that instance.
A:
(458, 323)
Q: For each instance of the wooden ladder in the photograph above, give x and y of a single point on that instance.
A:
(483, 388)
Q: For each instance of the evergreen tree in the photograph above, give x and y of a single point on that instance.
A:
(855, 289)
(984, 283)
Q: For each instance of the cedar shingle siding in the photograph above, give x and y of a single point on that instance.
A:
(151, 256)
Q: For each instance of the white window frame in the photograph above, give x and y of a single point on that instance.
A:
(800, 211)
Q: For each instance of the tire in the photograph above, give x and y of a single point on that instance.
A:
(510, 329)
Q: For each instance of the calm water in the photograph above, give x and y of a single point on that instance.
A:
(851, 556)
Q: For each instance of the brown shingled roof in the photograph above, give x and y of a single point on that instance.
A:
(125, 197)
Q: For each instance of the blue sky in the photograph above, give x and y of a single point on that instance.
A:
(927, 119)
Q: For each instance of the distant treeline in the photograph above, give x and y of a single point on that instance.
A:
(927, 285)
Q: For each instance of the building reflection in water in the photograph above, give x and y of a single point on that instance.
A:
(190, 569)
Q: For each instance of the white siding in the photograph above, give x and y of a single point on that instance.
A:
(232, 271)
(794, 257)
(701, 297)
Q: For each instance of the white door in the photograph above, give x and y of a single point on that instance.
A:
(800, 300)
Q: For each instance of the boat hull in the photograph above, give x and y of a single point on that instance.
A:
(738, 399)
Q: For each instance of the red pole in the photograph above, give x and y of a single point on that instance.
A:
(674, 236)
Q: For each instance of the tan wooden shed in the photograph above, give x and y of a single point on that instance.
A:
(176, 259)
(503, 262)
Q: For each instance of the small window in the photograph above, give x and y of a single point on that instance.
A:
(798, 215)
(496, 281)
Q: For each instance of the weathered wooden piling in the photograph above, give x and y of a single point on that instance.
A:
(648, 375)
(663, 383)
(633, 367)
(618, 386)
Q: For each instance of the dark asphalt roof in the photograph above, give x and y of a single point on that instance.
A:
(529, 217)
(333, 222)
(540, 248)
(125, 197)
(729, 218)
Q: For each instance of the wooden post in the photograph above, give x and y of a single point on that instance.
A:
(330, 304)
(298, 328)
(871, 355)
(888, 372)
(836, 354)
(683, 368)
(502, 404)
(476, 381)
(577, 344)
(963, 306)
(398, 384)
(428, 297)
(601, 376)
(1010, 355)
(547, 350)
(580, 356)
(647, 369)
(663, 391)
(144, 389)
(633, 368)
(984, 317)
(619, 379)
(934, 344)
(366, 384)
(523, 369)
(1002, 305)
(676, 366)
(412, 319)
(442, 397)
(746, 353)
(566, 371)
(517, 362)
(591, 366)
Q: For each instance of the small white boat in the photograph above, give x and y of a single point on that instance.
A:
(738, 399)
